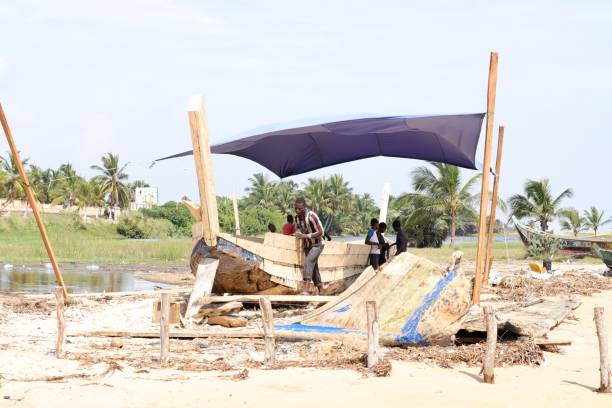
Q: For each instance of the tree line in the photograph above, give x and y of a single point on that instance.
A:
(442, 202)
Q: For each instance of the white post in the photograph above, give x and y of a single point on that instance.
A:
(384, 202)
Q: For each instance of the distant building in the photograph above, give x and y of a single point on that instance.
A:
(144, 197)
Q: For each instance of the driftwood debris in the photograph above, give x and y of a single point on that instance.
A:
(604, 360)
(61, 325)
(219, 309)
(177, 309)
(227, 321)
(488, 362)
(268, 324)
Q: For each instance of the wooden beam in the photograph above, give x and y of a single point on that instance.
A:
(193, 208)
(488, 361)
(164, 328)
(384, 202)
(198, 123)
(500, 143)
(484, 194)
(604, 360)
(236, 214)
(273, 299)
(268, 327)
(32, 202)
(373, 333)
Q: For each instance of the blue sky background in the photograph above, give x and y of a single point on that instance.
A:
(80, 78)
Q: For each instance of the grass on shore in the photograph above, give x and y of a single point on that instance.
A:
(100, 242)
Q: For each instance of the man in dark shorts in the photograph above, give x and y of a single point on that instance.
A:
(310, 231)
(401, 239)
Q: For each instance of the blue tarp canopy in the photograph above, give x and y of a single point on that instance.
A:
(451, 139)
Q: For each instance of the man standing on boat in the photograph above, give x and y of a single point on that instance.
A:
(401, 239)
(310, 231)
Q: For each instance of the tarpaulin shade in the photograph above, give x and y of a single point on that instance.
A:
(451, 139)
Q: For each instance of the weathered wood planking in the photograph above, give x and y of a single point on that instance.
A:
(533, 321)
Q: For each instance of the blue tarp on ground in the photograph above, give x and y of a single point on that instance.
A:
(451, 139)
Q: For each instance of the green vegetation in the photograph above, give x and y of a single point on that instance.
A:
(593, 219)
(538, 202)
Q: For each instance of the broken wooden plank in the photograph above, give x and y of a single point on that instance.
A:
(177, 309)
(273, 299)
(227, 321)
(219, 309)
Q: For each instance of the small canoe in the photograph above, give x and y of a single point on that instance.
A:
(274, 264)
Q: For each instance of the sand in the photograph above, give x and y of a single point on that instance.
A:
(568, 378)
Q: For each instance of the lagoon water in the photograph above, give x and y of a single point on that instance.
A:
(19, 279)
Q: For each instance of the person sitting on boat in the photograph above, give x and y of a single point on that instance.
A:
(271, 227)
(310, 231)
(384, 246)
(372, 240)
(289, 227)
(401, 239)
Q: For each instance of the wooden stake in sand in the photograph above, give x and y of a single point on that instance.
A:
(61, 325)
(164, 327)
(484, 194)
(268, 324)
(32, 202)
(373, 333)
(488, 362)
(500, 143)
(604, 361)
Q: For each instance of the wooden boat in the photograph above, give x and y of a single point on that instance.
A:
(568, 245)
(418, 302)
(274, 264)
(604, 254)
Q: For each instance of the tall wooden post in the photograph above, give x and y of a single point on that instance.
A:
(32, 202)
(384, 202)
(373, 333)
(59, 308)
(488, 361)
(164, 328)
(500, 143)
(198, 123)
(236, 214)
(484, 194)
(267, 319)
(605, 372)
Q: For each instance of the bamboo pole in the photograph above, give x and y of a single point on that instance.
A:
(267, 318)
(484, 195)
(373, 333)
(198, 124)
(236, 214)
(32, 202)
(489, 263)
(61, 325)
(384, 202)
(604, 361)
(488, 361)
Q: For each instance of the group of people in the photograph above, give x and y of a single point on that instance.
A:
(380, 246)
(308, 227)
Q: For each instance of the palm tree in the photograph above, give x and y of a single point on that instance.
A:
(112, 179)
(90, 195)
(593, 219)
(261, 191)
(571, 220)
(538, 202)
(284, 196)
(12, 186)
(316, 195)
(444, 193)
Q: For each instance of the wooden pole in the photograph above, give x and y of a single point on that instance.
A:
(198, 123)
(32, 202)
(268, 324)
(384, 202)
(164, 327)
(488, 362)
(236, 214)
(61, 325)
(484, 194)
(604, 361)
(500, 143)
(373, 333)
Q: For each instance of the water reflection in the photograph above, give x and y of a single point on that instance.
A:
(34, 280)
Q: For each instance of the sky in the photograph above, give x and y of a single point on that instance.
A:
(82, 78)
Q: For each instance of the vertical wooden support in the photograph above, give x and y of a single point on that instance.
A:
(384, 202)
(164, 327)
(604, 361)
(236, 214)
(32, 201)
(484, 194)
(61, 324)
(268, 322)
(198, 123)
(373, 333)
(500, 143)
(488, 361)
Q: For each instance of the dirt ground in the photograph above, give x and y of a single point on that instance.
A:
(228, 373)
